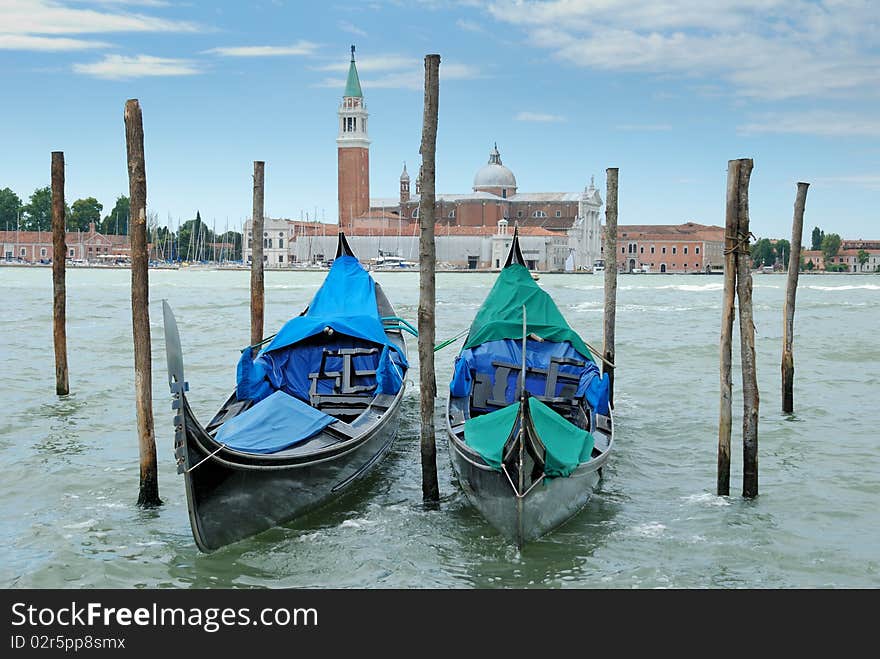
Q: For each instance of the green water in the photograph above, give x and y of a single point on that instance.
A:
(70, 465)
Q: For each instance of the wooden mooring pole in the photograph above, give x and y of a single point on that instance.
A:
(747, 336)
(59, 255)
(257, 301)
(140, 299)
(610, 278)
(427, 292)
(727, 313)
(794, 262)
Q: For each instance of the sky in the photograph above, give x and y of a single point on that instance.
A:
(668, 91)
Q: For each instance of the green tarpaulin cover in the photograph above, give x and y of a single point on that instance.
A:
(501, 315)
(488, 433)
(567, 445)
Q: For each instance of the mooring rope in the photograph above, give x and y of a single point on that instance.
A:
(191, 469)
(741, 239)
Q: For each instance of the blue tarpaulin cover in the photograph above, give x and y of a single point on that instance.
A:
(538, 353)
(346, 302)
(274, 424)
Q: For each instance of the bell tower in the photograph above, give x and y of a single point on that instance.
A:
(404, 186)
(353, 148)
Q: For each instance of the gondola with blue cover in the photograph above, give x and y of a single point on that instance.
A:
(313, 410)
(527, 417)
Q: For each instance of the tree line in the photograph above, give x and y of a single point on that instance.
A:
(194, 240)
(767, 252)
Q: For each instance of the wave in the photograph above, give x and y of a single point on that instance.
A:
(714, 286)
(866, 287)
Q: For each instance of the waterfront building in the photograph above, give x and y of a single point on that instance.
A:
(89, 246)
(848, 257)
(679, 248)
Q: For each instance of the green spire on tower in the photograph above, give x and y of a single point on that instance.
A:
(353, 84)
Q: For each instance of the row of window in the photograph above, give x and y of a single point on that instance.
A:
(539, 214)
(267, 243)
(451, 214)
(632, 249)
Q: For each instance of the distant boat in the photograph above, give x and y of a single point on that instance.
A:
(386, 262)
(527, 414)
(311, 414)
(598, 265)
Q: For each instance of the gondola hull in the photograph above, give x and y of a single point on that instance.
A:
(234, 494)
(545, 507)
(229, 502)
(523, 520)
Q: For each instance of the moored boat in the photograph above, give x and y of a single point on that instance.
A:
(527, 457)
(313, 411)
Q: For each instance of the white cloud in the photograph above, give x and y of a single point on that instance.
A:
(469, 26)
(819, 122)
(345, 26)
(643, 127)
(395, 72)
(41, 17)
(769, 49)
(120, 67)
(299, 48)
(143, 3)
(539, 117)
(869, 181)
(414, 80)
(29, 42)
(374, 63)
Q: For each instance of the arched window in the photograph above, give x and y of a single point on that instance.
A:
(539, 214)
(451, 214)
(415, 213)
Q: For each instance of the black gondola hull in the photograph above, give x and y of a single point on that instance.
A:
(523, 519)
(229, 502)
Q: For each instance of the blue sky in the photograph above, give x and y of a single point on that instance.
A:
(666, 90)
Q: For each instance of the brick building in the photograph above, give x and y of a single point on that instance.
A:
(849, 257)
(494, 196)
(89, 246)
(681, 248)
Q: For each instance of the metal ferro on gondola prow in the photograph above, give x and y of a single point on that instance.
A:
(177, 384)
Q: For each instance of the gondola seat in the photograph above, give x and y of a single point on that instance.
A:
(490, 375)
(346, 398)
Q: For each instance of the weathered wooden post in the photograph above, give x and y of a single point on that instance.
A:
(59, 254)
(257, 303)
(727, 313)
(427, 294)
(610, 277)
(747, 335)
(794, 261)
(140, 299)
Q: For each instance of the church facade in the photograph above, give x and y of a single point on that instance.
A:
(473, 230)
(571, 218)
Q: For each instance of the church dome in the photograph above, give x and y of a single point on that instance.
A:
(494, 174)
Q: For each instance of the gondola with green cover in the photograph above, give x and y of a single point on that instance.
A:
(527, 416)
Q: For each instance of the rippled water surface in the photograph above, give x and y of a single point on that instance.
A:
(70, 465)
